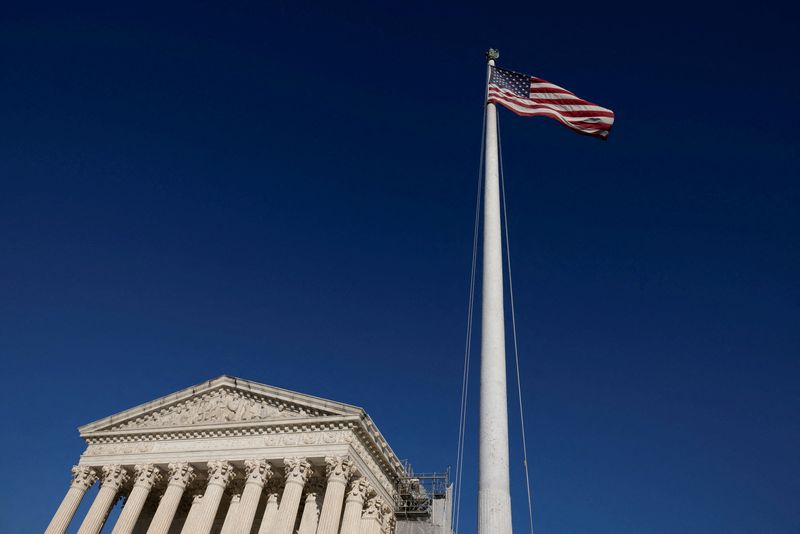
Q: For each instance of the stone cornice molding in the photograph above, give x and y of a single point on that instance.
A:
(114, 476)
(297, 470)
(181, 474)
(338, 468)
(232, 429)
(220, 473)
(257, 471)
(83, 477)
(146, 475)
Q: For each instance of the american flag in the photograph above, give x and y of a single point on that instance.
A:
(530, 96)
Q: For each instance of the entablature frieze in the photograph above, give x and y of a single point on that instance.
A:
(273, 446)
(347, 430)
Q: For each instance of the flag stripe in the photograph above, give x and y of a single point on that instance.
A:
(571, 111)
(550, 88)
(597, 130)
(576, 121)
(559, 98)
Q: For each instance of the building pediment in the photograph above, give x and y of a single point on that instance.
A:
(236, 420)
(223, 401)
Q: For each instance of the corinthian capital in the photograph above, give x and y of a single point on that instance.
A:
(297, 470)
(359, 489)
(338, 468)
(257, 471)
(114, 476)
(83, 477)
(181, 474)
(374, 509)
(220, 473)
(146, 475)
(389, 522)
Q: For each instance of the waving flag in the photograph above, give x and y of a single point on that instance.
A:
(530, 96)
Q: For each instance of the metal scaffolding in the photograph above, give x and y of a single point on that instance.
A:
(417, 491)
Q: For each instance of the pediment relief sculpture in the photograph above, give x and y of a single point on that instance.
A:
(217, 406)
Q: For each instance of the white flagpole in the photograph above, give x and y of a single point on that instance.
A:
(494, 496)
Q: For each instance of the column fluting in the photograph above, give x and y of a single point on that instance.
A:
(257, 472)
(351, 519)
(145, 477)
(270, 511)
(83, 478)
(311, 506)
(229, 523)
(219, 476)
(114, 477)
(338, 469)
(194, 512)
(180, 475)
(297, 472)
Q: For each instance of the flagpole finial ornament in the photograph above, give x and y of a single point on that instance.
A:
(492, 54)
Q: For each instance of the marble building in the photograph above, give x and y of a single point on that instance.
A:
(232, 456)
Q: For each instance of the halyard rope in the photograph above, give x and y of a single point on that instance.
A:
(468, 344)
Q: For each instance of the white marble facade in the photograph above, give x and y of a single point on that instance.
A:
(231, 456)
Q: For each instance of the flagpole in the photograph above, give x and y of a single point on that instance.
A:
(494, 496)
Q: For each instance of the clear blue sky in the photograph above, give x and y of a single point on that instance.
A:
(285, 193)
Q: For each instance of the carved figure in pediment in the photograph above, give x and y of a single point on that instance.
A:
(231, 409)
(181, 415)
(218, 406)
(252, 409)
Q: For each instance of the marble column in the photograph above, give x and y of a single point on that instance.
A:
(229, 523)
(145, 477)
(114, 477)
(194, 512)
(270, 511)
(83, 478)
(311, 507)
(372, 518)
(148, 511)
(220, 475)
(297, 472)
(338, 469)
(351, 520)
(257, 473)
(180, 476)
